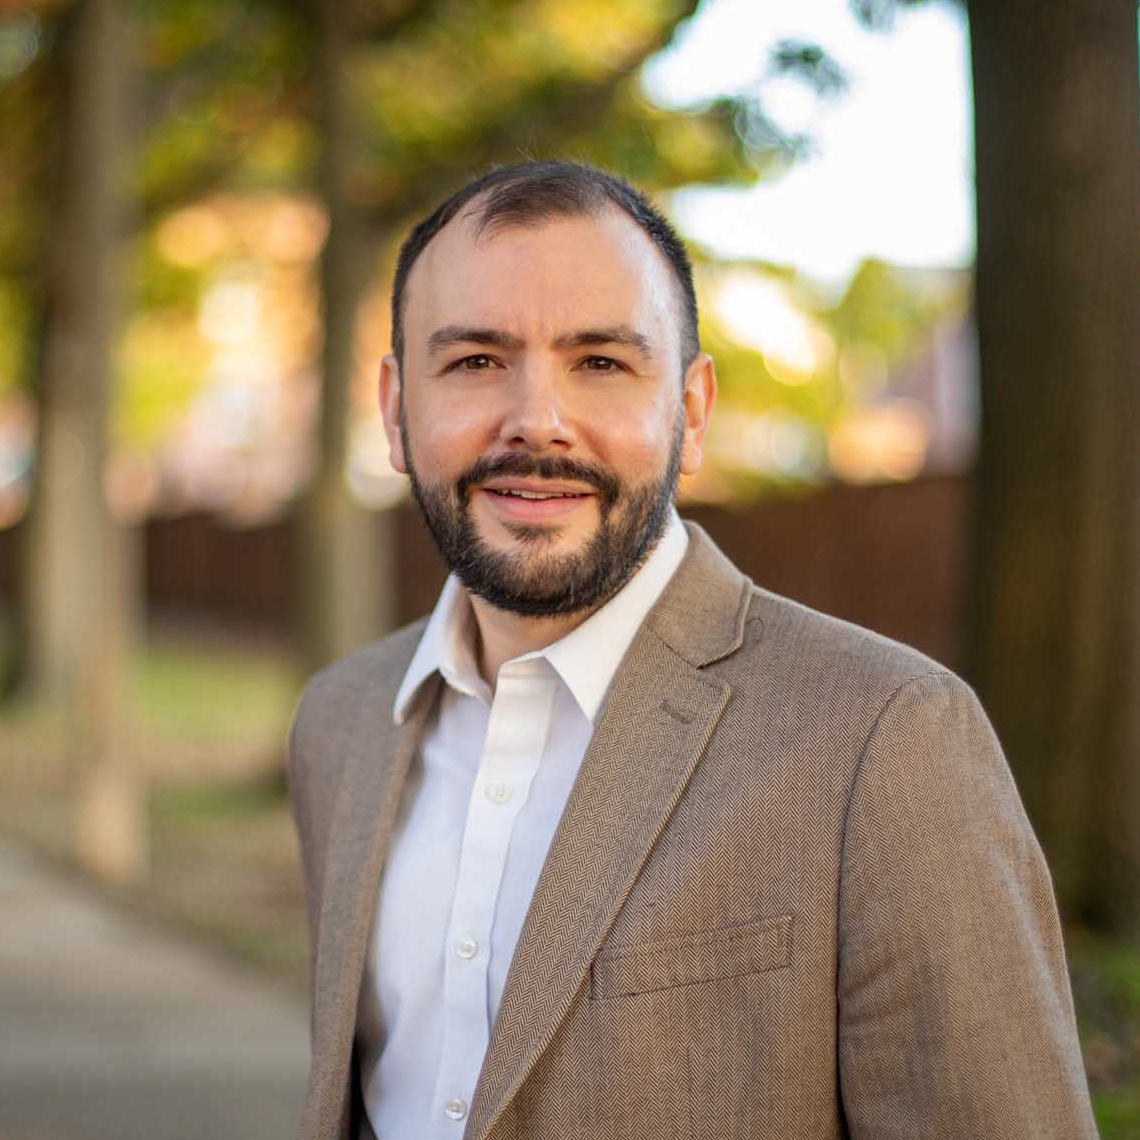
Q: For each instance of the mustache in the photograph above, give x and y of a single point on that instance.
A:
(524, 466)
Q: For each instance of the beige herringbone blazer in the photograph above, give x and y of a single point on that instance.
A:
(793, 896)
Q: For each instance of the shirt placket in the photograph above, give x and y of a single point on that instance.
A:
(516, 736)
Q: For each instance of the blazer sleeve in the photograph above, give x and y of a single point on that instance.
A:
(955, 1014)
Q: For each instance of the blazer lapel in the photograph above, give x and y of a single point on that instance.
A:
(379, 756)
(650, 735)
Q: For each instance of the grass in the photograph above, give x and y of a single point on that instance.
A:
(208, 717)
(1106, 992)
(194, 691)
(209, 722)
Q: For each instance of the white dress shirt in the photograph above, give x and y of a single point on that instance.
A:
(476, 820)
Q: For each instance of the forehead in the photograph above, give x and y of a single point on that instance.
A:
(542, 278)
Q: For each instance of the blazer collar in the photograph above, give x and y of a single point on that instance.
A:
(702, 613)
(650, 735)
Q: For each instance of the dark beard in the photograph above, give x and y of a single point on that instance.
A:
(537, 584)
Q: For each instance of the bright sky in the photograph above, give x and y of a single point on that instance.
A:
(892, 175)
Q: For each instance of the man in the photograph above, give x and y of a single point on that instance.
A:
(617, 845)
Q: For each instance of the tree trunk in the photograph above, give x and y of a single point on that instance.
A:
(347, 578)
(1056, 644)
(79, 569)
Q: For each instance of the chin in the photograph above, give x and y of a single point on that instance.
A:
(512, 538)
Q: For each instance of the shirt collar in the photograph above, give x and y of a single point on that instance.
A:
(586, 658)
(446, 647)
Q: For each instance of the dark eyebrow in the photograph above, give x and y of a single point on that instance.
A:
(451, 335)
(613, 334)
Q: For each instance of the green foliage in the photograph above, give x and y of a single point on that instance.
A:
(880, 15)
(1106, 991)
(13, 330)
(1118, 1113)
(662, 150)
(810, 62)
(884, 308)
(162, 364)
(27, 127)
(487, 82)
(480, 64)
(160, 283)
(439, 90)
(807, 364)
(219, 76)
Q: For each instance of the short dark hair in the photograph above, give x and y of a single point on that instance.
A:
(533, 192)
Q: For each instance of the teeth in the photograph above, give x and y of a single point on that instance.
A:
(536, 494)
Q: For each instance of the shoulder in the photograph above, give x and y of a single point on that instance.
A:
(875, 728)
(820, 642)
(813, 648)
(820, 686)
(375, 663)
(332, 697)
(788, 666)
(354, 690)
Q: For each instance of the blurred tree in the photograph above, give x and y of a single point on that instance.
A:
(215, 83)
(80, 599)
(76, 194)
(1055, 637)
(32, 100)
(347, 581)
(1056, 650)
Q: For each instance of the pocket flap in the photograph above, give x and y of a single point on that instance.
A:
(703, 957)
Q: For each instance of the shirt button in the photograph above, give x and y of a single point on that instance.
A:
(456, 1108)
(467, 947)
(498, 793)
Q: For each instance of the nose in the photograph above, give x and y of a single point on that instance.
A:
(536, 417)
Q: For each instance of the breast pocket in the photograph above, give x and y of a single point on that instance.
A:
(706, 956)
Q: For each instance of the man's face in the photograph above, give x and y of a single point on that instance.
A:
(540, 411)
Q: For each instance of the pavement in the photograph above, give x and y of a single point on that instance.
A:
(114, 1029)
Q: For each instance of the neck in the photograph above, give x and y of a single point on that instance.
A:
(502, 636)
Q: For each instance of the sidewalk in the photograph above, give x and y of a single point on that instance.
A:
(111, 1030)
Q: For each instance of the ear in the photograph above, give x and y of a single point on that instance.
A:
(391, 397)
(698, 399)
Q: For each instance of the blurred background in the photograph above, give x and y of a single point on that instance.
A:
(916, 229)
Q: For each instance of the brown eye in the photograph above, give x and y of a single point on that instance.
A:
(478, 363)
(600, 364)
